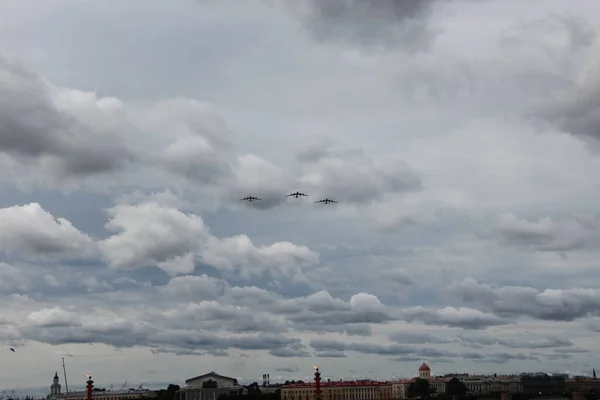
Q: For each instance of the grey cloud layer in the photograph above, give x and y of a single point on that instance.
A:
(461, 163)
(66, 131)
(388, 23)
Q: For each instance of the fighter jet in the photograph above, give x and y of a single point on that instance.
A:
(250, 198)
(296, 195)
(326, 201)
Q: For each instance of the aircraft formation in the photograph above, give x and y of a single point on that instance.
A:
(295, 195)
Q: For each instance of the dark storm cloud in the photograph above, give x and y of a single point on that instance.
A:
(75, 139)
(401, 24)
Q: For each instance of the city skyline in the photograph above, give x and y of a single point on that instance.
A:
(459, 139)
(266, 381)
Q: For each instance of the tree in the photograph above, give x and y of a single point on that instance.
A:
(419, 388)
(254, 392)
(169, 394)
(454, 387)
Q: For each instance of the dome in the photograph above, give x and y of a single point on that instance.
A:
(424, 367)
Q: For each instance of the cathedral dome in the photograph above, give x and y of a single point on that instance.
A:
(424, 367)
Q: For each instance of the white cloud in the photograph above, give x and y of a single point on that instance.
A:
(33, 232)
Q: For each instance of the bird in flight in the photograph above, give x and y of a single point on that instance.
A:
(326, 201)
(296, 195)
(11, 349)
(250, 198)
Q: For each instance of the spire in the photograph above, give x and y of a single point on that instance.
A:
(56, 375)
(594, 373)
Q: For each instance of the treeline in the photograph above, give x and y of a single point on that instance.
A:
(421, 388)
(169, 393)
(252, 392)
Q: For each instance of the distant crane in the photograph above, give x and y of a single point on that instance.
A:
(66, 384)
(123, 387)
(141, 386)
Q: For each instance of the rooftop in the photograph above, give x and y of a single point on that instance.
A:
(338, 383)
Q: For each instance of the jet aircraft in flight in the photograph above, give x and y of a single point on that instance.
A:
(326, 201)
(296, 195)
(250, 198)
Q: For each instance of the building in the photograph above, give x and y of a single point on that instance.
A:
(55, 387)
(57, 394)
(337, 390)
(583, 384)
(437, 384)
(543, 383)
(209, 387)
(362, 389)
(108, 395)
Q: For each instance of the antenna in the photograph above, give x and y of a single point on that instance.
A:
(66, 384)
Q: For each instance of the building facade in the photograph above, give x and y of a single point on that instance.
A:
(57, 394)
(55, 387)
(437, 384)
(340, 390)
(362, 389)
(209, 387)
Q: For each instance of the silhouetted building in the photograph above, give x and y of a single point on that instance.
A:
(543, 383)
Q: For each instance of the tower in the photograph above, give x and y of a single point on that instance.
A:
(317, 384)
(55, 388)
(424, 371)
(89, 385)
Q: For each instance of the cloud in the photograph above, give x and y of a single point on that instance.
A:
(65, 132)
(359, 180)
(466, 228)
(292, 368)
(153, 234)
(573, 106)
(465, 318)
(550, 304)
(385, 23)
(33, 232)
(412, 352)
(546, 234)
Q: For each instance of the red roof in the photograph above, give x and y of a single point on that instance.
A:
(424, 367)
(338, 383)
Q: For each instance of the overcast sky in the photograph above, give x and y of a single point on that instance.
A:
(461, 139)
